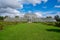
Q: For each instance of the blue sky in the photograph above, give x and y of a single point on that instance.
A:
(20, 7)
(52, 7)
(48, 6)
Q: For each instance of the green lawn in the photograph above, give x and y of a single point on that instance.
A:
(30, 31)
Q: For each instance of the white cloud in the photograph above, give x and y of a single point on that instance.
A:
(8, 7)
(44, 7)
(57, 6)
(58, 0)
(45, 0)
(34, 2)
(58, 13)
(9, 3)
(10, 12)
(45, 14)
(29, 11)
(39, 14)
(48, 13)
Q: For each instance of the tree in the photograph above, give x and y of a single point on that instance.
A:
(16, 16)
(1, 23)
(57, 18)
(6, 16)
(1, 18)
(16, 19)
(48, 17)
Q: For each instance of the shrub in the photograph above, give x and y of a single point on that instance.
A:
(57, 24)
(1, 27)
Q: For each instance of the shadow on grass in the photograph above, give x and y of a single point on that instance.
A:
(57, 25)
(53, 30)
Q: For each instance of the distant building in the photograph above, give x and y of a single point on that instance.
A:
(29, 17)
(10, 19)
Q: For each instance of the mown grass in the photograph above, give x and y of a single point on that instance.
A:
(30, 31)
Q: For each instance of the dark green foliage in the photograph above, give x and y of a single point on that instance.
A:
(49, 23)
(57, 24)
(48, 17)
(54, 30)
(1, 25)
(5, 16)
(1, 18)
(57, 18)
(16, 16)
